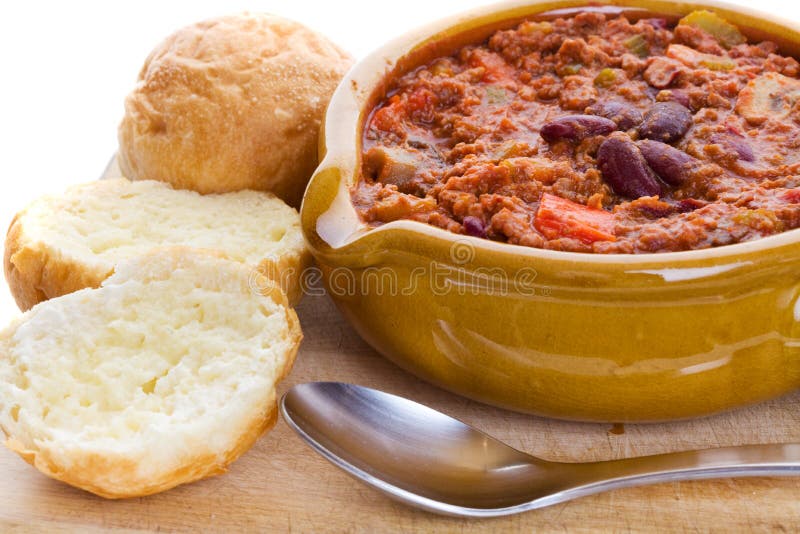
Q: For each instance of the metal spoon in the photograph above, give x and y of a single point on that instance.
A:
(430, 460)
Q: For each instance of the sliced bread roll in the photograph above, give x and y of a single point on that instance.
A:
(63, 243)
(163, 375)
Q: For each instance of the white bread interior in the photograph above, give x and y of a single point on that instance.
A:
(62, 243)
(164, 375)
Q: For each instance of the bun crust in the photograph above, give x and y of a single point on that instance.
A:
(35, 273)
(232, 103)
(153, 380)
(110, 477)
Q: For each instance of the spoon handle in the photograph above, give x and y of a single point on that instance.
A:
(738, 461)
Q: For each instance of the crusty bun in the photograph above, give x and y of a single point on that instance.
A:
(232, 103)
(164, 375)
(67, 242)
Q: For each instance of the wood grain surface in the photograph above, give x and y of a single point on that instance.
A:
(282, 485)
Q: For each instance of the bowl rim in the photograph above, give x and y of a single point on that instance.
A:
(340, 136)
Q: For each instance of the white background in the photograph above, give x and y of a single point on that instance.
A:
(65, 68)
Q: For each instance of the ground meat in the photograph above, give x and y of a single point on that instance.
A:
(459, 138)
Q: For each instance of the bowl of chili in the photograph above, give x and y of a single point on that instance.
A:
(581, 212)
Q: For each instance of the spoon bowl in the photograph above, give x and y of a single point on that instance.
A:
(427, 459)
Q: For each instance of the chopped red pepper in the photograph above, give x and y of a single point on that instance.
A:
(558, 217)
(792, 196)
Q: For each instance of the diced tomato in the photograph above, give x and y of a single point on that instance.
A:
(558, 217)
(389, 118)
(418, 106)
(422, 105)
(496, 68)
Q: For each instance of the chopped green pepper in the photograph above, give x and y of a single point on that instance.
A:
(572, 68)
(759, 219)
(717, 62)
(723, 31)
(638, 45)
(441, 68)
(510, 149)
(508, 165)
(692, 58)
(529, 28)
(605, 78)
(496, 95)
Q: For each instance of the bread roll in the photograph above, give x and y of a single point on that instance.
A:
(232, 103)
(67, 242)
(162, 376)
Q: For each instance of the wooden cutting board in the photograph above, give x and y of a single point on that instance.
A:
(282, 485)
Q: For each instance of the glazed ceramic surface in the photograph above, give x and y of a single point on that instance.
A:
(619, 338)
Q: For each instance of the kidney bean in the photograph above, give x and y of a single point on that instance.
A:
(669, 163)
(624, 115)
(474, 226)
(666, 122)
(576, 128)
(674, 95)
(624, 168)
(733, 143)
(656, 210)
(690, 204)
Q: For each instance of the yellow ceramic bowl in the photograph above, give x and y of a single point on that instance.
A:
(568, 335)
